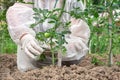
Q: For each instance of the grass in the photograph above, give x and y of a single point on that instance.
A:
(7, 46)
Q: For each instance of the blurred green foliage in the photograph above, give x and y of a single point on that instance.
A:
(6, 45)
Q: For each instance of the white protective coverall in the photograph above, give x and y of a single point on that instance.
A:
(20, 17)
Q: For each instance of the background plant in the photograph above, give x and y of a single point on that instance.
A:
(6, 45)
(107, 30)
(101, 16)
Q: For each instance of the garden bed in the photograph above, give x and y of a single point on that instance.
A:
(83, 71)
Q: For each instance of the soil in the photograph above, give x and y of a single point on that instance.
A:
(83, 71)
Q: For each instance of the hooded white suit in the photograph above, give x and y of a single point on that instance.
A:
(20, 17)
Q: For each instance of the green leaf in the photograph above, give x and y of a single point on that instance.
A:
(52, 21)
(36, 10)
(36, 18)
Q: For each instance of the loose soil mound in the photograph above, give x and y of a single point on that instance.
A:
(83, 71)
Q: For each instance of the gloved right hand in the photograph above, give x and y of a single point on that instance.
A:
(31, 46)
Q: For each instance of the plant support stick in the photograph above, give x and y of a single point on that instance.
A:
(59, 58)
(110, 43)
(60, 52)
(110, 19)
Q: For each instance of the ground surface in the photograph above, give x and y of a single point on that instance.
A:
(84, 71)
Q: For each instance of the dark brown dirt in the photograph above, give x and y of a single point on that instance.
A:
(83, 71)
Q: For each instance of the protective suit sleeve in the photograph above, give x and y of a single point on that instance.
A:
(19, 19)
(80, 29)
(77, 46)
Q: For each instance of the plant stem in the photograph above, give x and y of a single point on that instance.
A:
(85, 4)
(110, 44)
(60, 52)
(53, 56)
(59, 58)
(56, 26)
(59, 16)
(110, 34)
(55, 3)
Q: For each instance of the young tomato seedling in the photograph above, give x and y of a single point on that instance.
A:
(53, 36)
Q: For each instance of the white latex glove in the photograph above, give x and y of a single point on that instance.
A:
(31, 46)
(75, 45)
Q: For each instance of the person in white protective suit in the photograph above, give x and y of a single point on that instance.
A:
(20, 18)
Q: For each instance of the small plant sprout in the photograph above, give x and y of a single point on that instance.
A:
(96, 61)
(118, 63)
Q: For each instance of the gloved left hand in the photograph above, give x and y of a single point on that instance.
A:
(74, 47)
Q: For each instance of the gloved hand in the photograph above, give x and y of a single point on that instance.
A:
(31, 46)
(74, 47)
